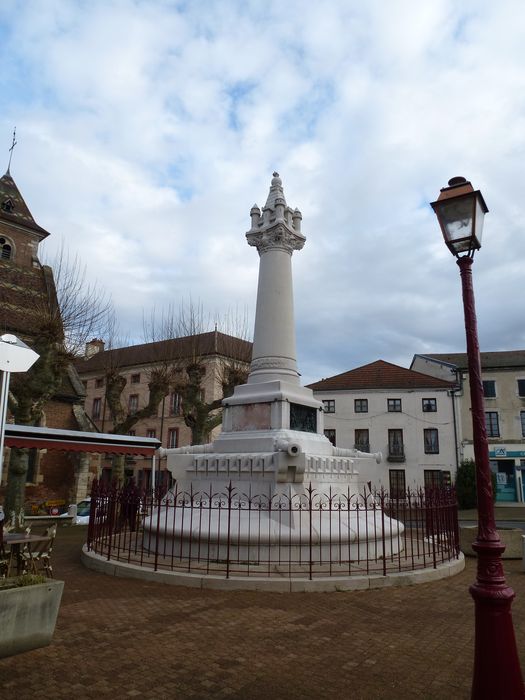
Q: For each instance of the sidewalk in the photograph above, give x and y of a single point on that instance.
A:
(124, 638)
(502, 511)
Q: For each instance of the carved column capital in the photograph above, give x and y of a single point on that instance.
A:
(277, 238)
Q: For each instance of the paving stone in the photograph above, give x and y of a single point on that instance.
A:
(119, 637)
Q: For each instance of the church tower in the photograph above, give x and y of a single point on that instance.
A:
(20, 235)
(26, 286)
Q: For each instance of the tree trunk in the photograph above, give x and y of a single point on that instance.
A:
(117, 469)
(16, 482)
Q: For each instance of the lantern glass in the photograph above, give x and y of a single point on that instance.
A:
(478, 221)
(457, 217)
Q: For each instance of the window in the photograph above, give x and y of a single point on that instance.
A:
(132, 433)
(99, 383)
(431, 440)
(396, 449)
(330, 434)
(394, 405)
(8, 205)
(173, 437)
(489, 389)
(521, 387)
(397, 483)
(362, 440)
(6, 248)
(151, 433)
(361, 405)
(33, 461)
(492, 423)
(522, 418)
(329, 405)
(97, 405)
(429, 405)
(133, 403)
(175, 404)
(135, 378)
(433, 478)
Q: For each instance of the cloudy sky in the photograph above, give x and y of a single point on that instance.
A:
(148, 128)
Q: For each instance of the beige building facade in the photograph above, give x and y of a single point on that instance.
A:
(214, 352)
(503, 376)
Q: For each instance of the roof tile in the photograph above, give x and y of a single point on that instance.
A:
(380, 375)
(212, 343)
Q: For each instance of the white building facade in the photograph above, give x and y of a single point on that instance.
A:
(406, 415)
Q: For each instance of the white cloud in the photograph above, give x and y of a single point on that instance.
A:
(148, 129)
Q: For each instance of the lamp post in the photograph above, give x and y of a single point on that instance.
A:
(497, 674)
(15, 356)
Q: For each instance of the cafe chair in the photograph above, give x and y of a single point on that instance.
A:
(39, 556)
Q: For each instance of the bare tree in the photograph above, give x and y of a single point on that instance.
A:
(82, 308)
(192, 371)
(181, 344)
(64, 312)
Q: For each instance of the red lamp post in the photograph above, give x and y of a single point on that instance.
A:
(497, 673)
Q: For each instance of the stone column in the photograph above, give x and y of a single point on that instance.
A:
(276, 233)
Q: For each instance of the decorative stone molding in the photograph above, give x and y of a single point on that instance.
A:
(277, 238)
(262, 363)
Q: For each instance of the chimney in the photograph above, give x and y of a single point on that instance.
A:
(94, 346)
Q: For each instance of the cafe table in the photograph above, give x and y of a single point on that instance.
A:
(17, 542)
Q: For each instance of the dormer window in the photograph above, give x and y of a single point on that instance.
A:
(8, 205)
(6, 249)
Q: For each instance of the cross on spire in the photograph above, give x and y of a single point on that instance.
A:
(11, 150)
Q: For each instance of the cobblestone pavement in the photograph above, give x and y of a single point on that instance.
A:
(124, 638)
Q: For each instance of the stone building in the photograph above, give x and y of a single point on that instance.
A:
(27, 292)
(503, 376)
(408, 416)
(214, 352)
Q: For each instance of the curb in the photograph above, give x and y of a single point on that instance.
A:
(279, 585)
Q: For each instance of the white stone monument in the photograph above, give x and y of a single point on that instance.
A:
(272, 440)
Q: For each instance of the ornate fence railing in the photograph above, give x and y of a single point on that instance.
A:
(306, 535)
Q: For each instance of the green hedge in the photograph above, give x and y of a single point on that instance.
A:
(466, 484)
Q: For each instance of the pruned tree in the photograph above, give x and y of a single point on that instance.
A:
(124, 420)
(61, 314)
(180, 345)
(192, 371)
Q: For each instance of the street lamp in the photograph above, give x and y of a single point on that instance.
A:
(15, 356)
(497, 674)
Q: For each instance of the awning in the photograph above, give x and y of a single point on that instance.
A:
(78, 441)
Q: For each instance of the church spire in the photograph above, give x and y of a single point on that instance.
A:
(11, 152)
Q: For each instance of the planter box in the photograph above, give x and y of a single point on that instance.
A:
(28, 616)
(511, 538)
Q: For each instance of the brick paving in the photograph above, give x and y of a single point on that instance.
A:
(135, 639)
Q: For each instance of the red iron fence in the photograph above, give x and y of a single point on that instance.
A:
(295, 535)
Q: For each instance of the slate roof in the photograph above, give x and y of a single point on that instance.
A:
(19, 214)
(505, 359)
(201, 345)
(380, 375)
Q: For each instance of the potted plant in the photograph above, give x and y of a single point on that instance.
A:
(28, 612)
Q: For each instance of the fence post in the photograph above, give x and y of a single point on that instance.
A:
(90, 532)
(230, 492)
(112, 503)
(310, 537)
(383, 540)
(157, 531)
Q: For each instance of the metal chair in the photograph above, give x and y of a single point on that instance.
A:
(5, 561)
(39, 556)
